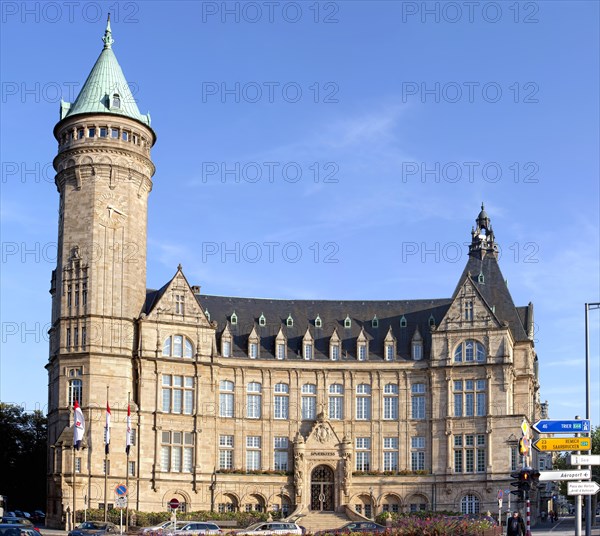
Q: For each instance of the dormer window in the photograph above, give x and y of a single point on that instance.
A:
(280, 350)
(347, 322)
(207, 315)
(226, 345)
(403, 322)
(233, 319)
(431, 321)
(480, 278)
(389, 352)
(417, 350)
(375, 322)
(334, 352)
(253, 350)
(262, 321)
(116, 101)
(318, 322)
(362, 351)
(307, 351)
(290, 321)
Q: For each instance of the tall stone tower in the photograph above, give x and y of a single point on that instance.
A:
(103, 175)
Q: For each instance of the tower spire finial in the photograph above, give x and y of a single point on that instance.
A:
(107, 39)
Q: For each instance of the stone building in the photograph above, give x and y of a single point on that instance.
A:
(263, 404)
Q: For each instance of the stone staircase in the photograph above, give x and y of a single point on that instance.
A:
(314, 521)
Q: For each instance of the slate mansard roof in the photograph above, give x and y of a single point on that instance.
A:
(400, 318)
(333, 314)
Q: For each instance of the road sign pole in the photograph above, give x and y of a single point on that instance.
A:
(578, 503)
(528, 528)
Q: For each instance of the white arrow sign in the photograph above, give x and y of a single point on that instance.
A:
(585, 459)
(583, 474)
(583, 488)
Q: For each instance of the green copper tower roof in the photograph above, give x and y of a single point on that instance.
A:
(105, 90)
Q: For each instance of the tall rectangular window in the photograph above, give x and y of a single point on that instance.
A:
(418, 401)
(254, 400)
(280, 454)
(417, 453)
(253, 444)
(363, 453)
(280, 350)
(390, 401)
(336, 401)
(309, 401)
(514, 457)
(225, 452)
(179, 304)
(363, 402)
(131, 468)
(75, 386)
(226, 398)
(390, 453)
(281, 401)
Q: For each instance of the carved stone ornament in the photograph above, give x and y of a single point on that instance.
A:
(322, 433)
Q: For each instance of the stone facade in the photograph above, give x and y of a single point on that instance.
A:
(241, 404)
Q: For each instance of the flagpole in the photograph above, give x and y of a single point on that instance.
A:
(106, 431)
(74, 491)
(127, 473)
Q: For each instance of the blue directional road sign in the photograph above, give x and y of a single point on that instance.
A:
(547, 426)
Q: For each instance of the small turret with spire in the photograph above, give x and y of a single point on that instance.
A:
(482, 236)
(107, 39)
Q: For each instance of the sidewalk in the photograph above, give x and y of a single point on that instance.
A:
(565, 526)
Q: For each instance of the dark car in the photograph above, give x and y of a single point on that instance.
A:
(90, 528)
(354, 526)
(17, 529)
(18, 521)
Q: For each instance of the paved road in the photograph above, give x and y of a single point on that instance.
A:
(565, 526)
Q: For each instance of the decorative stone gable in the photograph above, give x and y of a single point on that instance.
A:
(469, 311)
(322, 435)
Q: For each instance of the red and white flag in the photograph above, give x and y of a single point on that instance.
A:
(78, 425)
(107, 429)
(128, 433)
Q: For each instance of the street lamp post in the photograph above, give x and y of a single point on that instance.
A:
(213, 487)
(588, 502)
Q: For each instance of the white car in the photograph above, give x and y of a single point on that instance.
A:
(270, 528)
(163, 527)
(195, 528)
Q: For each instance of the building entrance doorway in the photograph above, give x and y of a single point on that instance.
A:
(322, 489)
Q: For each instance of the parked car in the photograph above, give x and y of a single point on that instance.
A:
(17, 529)
(162, 527)
(267, 528)
(193, 528)
(354, 526)
(18, 521)
(95, 528)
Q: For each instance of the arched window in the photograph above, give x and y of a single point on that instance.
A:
(178, 346)
(469, 504)
(75, 391)
(469, 351)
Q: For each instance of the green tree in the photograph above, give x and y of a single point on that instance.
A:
(23, 438)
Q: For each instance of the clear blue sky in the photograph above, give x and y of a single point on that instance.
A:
(409, 111)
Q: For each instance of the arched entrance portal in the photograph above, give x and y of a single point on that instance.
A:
(322, 489)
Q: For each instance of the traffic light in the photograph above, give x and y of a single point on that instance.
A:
(517, 484)
(525, 479)
(535, 478)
